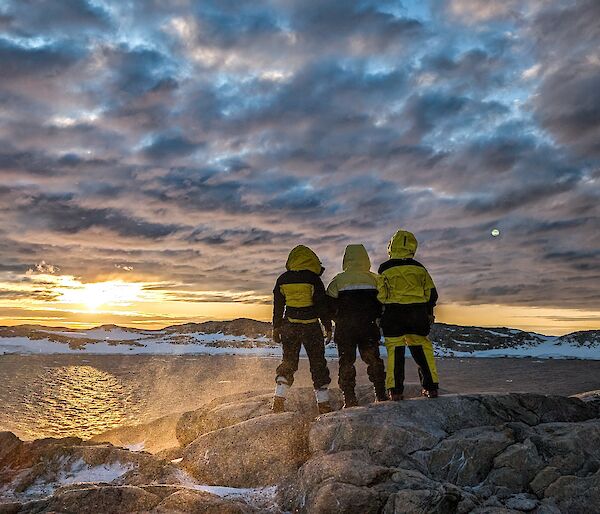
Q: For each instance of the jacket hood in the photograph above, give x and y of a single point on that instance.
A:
(303, 258)
(356, 258)
(403, 245)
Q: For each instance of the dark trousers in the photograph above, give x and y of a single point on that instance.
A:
(366, 338)
(293, 336)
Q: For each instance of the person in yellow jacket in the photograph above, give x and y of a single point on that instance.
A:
(408, 295)
(299, 302)
(355, 310)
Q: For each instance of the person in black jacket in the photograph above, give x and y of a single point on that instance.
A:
(409, 296)
(299, 302)
(355, 311)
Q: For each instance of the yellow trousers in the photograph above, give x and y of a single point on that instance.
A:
(421, 350)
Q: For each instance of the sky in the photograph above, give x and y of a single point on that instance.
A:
(158, 160)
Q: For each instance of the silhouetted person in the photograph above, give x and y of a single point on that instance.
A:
(299, 302)
(408, 295)
(355, 310)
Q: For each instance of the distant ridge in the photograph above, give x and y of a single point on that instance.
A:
(249, 336)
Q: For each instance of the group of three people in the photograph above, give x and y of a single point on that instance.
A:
(398, 302)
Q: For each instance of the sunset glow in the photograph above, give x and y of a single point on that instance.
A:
(159, 162)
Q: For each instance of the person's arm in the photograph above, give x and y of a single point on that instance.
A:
(278, 305)
(431, 293)
(321, 304)
(332, 298)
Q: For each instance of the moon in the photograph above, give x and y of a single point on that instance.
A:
(495, 232)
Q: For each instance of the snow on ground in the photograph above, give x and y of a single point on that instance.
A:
(546, 350)
(75, 472)
(221, 344)
(24, 345)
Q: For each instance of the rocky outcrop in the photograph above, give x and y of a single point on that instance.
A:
(487, 453)
(517, 452)
(153, 437)
(235, 408)
(254, 453)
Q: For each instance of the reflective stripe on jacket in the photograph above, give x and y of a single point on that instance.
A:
(299, 294)
(353, 293)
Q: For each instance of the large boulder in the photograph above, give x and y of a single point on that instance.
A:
(153, 437)
(576, 495)
(253, 453)
(200, 502)
(479, 453)
(94, 500)
(232, 409)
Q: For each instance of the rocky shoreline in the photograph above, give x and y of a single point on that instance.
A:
(484, 453)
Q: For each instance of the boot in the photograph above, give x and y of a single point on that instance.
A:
(429, 393)
(324, 407)
(395, 396)
(380, 394)
(350, 400)
(278, 405)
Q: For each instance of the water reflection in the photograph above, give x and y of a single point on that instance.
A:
(74, 400)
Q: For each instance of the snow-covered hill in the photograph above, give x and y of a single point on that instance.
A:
(250, 337)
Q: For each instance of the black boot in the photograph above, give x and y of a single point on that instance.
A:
(395, 396)
(380, 393)
(429, 393)
(350, 400)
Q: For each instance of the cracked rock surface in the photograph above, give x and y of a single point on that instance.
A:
(487, 453)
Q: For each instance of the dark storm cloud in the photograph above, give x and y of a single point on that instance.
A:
(568, 104)
(169, 145)
(34, 17)
(171, 141)
(19, 61)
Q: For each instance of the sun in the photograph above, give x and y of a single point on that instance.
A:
(95, 295)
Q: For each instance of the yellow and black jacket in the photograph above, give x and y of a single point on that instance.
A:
(299, 294)
(406, 289)
(353, 293)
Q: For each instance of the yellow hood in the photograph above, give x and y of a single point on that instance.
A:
(403, 245)
(356, 258)
(303, 258)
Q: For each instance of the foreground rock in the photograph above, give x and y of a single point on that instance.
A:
(488, 453)
(517, 452)
(254, 453)
(153, 437)
(232, 409)
(73, 476)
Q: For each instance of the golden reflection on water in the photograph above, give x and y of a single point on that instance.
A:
(75, 400)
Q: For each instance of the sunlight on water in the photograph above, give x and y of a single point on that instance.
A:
(75, 400)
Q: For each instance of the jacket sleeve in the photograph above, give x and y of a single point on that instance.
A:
(433, 294)
(278, 305)
(321, 302)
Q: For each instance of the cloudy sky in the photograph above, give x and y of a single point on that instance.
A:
(159, 159)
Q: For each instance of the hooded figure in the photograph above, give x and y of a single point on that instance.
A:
(408, 295)
(299, 302)
(355, 309)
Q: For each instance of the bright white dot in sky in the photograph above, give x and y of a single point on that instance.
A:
(495, 232)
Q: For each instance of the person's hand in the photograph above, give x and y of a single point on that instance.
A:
(328, 336)
(276, 335)
(431, 319)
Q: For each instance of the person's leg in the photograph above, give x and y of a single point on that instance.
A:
(347, 357)
(424, 359)
(395, 367)
(315, 350)
(284, 378)
(369, 353)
